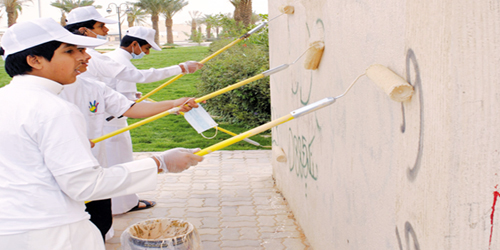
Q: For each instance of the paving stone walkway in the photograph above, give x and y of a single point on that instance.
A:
(230, 198)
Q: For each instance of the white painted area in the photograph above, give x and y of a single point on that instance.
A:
(417, 175)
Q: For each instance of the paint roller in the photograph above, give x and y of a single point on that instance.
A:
(287, 9)
(279, 153)
(395, 86)
(314, 54)
(198, 100)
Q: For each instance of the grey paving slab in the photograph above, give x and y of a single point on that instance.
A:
(230, 198)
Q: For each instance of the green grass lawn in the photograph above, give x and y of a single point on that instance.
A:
(173, 130)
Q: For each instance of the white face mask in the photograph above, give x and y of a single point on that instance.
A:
(98, 36)
(135, 56)
(200, 119)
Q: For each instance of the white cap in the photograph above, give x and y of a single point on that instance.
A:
(25, 35)
(144, 33)
(82, 14)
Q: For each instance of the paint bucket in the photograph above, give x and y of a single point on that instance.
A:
(162, 233)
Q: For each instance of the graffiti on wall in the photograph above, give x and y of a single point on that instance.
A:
(409, 235)
(302, 161)
(298, 89)
(412, 69)
(411, 60)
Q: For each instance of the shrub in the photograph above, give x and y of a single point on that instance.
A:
(249, 104)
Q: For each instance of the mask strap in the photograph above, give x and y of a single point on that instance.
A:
(209, 138)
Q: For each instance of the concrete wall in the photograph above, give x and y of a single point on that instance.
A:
(371, 173)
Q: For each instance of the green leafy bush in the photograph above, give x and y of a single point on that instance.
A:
(249, 104)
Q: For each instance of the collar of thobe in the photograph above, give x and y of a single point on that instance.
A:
(125, 53)
(36, 81)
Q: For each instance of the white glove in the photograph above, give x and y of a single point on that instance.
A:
(190, 67)
(178, 159)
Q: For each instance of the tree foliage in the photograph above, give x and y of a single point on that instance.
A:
(251, 103)
(13, 8)
(67, 5)
(170, 8)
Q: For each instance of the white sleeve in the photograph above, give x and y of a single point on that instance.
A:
(132, 74)
(100, 183)
(116, 103)
(103, 66)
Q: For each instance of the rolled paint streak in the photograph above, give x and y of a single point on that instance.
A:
(495, 197)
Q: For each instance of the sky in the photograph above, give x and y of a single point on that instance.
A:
(32, 10)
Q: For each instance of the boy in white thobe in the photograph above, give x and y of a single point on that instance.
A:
(46, 168)
(90, 23)
(96, 101)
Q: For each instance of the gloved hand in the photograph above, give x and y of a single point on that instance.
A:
(178, 159)
(190, 67)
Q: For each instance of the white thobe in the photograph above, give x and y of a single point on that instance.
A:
(115, 69)
(47, 170)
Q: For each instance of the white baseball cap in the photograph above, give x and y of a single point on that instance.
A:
(144, 33)
(82, 14)
(25, 35)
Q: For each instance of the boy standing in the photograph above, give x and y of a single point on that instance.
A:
(46, 168)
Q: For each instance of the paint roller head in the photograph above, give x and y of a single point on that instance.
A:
(287, 9)
(279, 154)
(393, 85)
(314, 54)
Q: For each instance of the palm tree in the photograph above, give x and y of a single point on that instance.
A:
(255, 18)
(170, 8)
(195, 15)
(217, 23)
(237, 10)
(136, 16)
(67, 5)
(13, 8)
(154, 8)
(209, 21)
(242, 11)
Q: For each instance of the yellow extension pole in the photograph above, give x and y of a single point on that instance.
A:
(176, 109)
(244, 135)
(135, 125)
(294, 114)
(229, 88)
(181, 75)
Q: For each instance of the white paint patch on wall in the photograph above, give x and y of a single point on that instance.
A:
(371, 173)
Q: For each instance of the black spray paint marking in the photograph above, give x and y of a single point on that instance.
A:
(408, 232)
(412, 173)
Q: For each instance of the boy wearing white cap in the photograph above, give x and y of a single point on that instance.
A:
(46, 168)
(90, 23)
(96, 101)
(136, 43)
(87, 21)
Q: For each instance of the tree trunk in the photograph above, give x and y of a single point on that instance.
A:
(193, 29)
(209, 28)
(217, 31)
(246, 12)
(154, 20)
(11, 15)
(170, 36)
(130, 20)
(63, 19)
(237, 13)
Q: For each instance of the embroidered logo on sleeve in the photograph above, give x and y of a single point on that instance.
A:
(93, 106)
